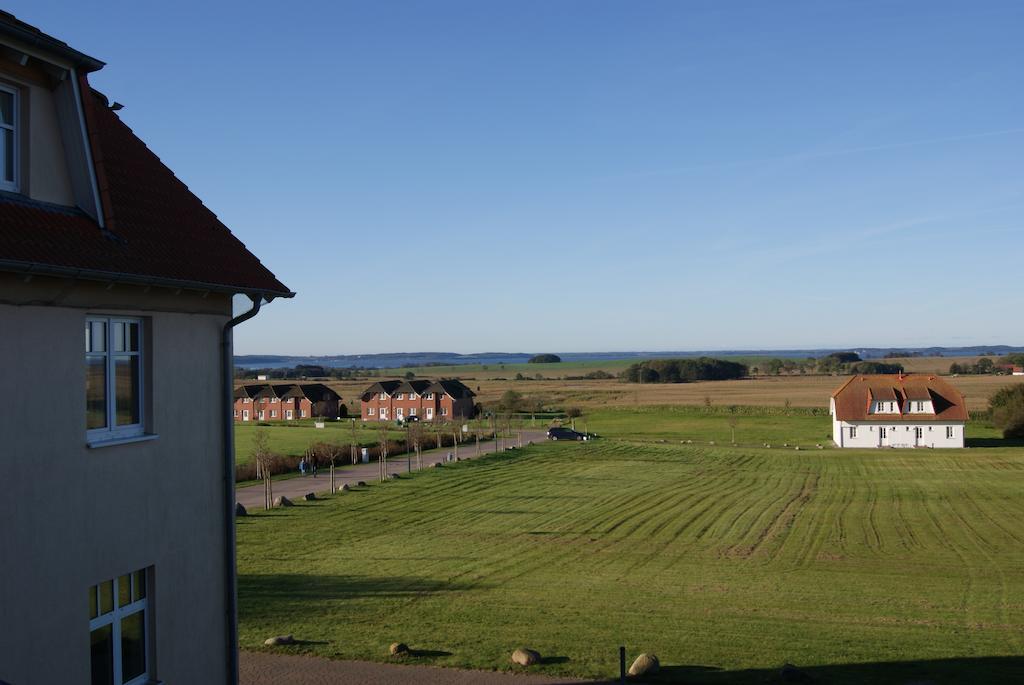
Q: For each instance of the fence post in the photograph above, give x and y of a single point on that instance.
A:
(622, 664)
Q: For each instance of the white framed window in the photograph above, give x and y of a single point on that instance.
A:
(261, 414)
(920, 406)
(918, 432)
(10, 153)
(430, 413)
(882, 431)
(273, 413)
(950, 432)
(274, 400)
(412, 396)
(398, 414)
(853, 431)
(236, 413)
(245, 414)
(303, 413)
(289, 414)
(444, 411)
(119, 630)
(400, 396)
(114, 382)
(383, 412)
(412, 411)
(383, 396)
(371, 411)
(430, 396)
(247, 400)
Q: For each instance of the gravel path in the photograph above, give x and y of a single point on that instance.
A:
(258, 668)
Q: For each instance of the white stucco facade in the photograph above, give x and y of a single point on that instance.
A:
(896, 430)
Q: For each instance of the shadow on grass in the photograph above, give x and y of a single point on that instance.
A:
(994, 442)
(276, 595)
(428, 653)
(1009, 669)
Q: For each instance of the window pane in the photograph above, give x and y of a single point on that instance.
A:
(132, 337)
(8, 155)
(118, 336)
(124, 590)
(139, 586)
(106, 596)
(95, 392)
(6, 108)
(93, 607)
(102, 656)
(126, 380)
(133, 646)
(96, 341)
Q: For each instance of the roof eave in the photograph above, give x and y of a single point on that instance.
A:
(52, 46)
(41, 269)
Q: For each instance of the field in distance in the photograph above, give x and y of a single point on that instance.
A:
(883, 566)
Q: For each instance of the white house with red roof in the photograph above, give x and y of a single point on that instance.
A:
(898, 411)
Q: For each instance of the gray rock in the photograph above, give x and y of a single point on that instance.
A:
(240, 510)
(645, 664)
(525, 657)
(398, 649)
(309, 496)
(282, 501)
(279, 640)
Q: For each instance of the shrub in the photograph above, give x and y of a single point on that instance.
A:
(683, 370)
(544, 359)
(1007, 408)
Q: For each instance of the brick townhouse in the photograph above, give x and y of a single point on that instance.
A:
(428, 400)
(286, 402)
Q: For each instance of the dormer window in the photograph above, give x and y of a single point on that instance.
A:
(8, 138)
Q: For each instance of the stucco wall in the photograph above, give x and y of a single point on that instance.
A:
(74, 516)
(898, 434)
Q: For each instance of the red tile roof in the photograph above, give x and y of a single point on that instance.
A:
(156, 230)
(853, 398)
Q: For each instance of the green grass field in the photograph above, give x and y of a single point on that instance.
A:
(861, 566)
(292, 439)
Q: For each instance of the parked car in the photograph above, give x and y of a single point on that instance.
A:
(411, 419)
(559, 433)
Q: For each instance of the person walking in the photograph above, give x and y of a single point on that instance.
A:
(302, 466)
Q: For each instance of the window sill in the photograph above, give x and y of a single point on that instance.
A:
(126, 440)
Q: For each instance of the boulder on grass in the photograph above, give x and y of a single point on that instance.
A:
(309, 496)
(645, 664)
(240, 510)
(282, 501)
(398, 649)
(279, 640)
(394, 476)
(525, 657)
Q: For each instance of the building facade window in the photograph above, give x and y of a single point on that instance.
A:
(400, 396)
(950, 432)
(383, 396)
(370, 411)
(881, 431)
(118, 612)
(430, 413)
(288, 414)
(444, 411)
(9, 130)
(853, 431)
(113, 378)
(245, 414)
(412, 396)
(412, 411)
(918, 432)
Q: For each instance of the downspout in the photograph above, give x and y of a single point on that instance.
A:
(228, 429)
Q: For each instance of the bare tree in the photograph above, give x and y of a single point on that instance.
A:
(382, 459)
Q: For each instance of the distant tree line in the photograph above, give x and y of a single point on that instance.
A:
(544, 359)
(683, 370)
(302, 371)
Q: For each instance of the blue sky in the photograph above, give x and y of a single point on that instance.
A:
(584, 176)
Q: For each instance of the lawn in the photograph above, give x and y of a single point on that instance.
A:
(292, 438)
(861, 566)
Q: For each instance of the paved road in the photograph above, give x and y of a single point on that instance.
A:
(294, 488)
(258, 668)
